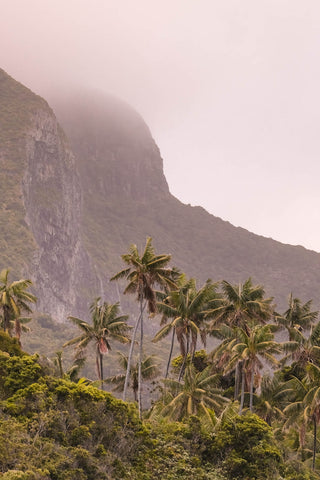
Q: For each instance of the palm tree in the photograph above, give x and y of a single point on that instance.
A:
(306, 405)
(187, 308)
(106, 325)
(294, 392)
(143, 273)
(149, 371)
(241, 305)
(298, 316)
(251, 348)
(199, 394)
(14, 299)
(312, 402)
(303, 349)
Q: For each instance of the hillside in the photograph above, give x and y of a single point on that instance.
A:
(126, 198)
(73, 202)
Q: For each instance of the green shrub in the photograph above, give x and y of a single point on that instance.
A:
(245, 449)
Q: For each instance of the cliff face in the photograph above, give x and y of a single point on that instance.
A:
(120, 172)
(52, 198)
(48, 198)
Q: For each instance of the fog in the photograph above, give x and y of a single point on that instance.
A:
(229, 89)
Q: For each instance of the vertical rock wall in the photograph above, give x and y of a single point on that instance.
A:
(60, 267)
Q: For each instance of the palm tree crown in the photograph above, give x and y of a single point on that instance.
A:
(144, 272)
(106, 325)
(298, 316)
(199, 394)
(241, 304)
(14, 299)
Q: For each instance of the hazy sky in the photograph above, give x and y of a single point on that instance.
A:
(229, 88)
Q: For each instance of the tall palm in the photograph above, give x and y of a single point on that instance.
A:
(252, 348)
(149, 371)
(14, 299)
(298, 316)
(240, 305)
(106, 325)
(186, 307)
(144, 273)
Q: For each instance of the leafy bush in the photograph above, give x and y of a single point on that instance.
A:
(244, 448)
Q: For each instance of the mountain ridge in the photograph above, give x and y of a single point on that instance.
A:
(228, 252)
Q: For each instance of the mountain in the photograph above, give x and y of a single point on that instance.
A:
(73, 200)
(126, 198)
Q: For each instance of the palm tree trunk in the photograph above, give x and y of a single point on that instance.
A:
(183, 366)
(101, 369)
(59, 361)
(302, 433)
(194, 348)
(251, 389)
(140, 360)
(314, 442)
(242, 391)
(6, 318)
(171, 350)
(130, 359)
(236, 381)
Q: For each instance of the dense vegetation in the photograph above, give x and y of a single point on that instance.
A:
(217, 415)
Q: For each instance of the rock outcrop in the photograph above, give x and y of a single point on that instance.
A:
(47, 190)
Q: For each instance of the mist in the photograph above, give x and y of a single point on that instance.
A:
(230, 91)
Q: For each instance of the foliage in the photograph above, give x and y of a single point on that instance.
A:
(198, 395)
(9, 345)
(106, 325)
(149, 371)
(14, 299)
(244, 448)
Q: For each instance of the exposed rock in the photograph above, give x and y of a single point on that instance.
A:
(51, 199)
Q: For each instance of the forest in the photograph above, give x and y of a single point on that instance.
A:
(248, 408)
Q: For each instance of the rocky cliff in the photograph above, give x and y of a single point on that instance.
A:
(41, 201)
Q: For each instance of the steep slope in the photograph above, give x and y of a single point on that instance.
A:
(40, 200)
(126, 198)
